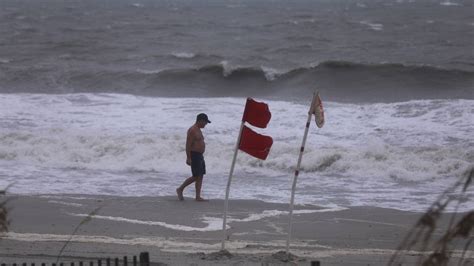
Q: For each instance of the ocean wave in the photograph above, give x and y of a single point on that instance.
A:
(339, 80)
(228, 70)
(127, 145)
(163, 153)
(414, 140)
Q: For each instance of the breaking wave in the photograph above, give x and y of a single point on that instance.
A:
(416, 139)
(339, 80)
(165, 154)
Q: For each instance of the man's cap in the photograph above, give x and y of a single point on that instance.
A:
(202, 116)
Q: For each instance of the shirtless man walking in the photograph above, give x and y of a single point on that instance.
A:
(195, 147)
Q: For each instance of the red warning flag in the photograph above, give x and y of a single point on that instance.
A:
(255, 144)
(256, 113)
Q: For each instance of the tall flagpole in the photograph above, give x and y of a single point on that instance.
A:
(226, 203)
(310, 113)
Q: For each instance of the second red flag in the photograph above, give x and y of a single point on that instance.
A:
(255, 144)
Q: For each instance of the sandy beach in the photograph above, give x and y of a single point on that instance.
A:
(189, 232)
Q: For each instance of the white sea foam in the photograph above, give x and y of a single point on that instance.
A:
(271, 73)
(170, 244)
(449, 3)
(159, 242)
(59, 197)
(65, 203)
(149, 71)
(272, 213)
(167, 244)
(372, 26)
(228, 68)
(184, 55)
(400, 154)
(211, 223)
(297, 22)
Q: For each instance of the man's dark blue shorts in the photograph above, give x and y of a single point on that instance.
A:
(198, 165)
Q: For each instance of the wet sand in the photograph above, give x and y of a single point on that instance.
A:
(189, 233)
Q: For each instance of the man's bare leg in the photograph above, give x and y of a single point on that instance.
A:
(198, 188)
(186, 183)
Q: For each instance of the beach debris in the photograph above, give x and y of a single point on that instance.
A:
(281, 257)
(4, 222)
(219, 255)
(3, 217)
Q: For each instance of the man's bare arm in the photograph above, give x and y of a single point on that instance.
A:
(189, 143)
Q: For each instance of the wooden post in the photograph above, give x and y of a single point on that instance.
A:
(135, 261)
(81, 263)
(107, 261)
(72, 263)
(229, 180)
(99, 262)
(144, 259)
(91, 263)
(116, 262)
(125, 261)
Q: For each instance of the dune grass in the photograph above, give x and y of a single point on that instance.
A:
(425, 235)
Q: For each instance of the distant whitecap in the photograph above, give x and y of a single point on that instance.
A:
(149, 71)
(184, 55)
(449, 3)
(372, 26)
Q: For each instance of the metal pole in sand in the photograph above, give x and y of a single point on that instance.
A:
(310, 113)
(226, 202)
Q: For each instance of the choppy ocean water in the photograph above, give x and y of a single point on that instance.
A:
(96, 96)
(399, 155)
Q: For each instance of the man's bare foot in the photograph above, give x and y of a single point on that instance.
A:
(201, 199)
(180, 194)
